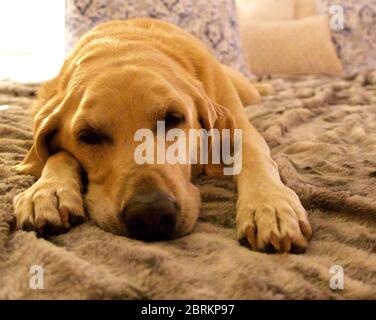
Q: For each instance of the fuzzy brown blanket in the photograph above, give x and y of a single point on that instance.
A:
(322, 132)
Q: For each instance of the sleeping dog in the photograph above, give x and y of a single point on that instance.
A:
(127, 75)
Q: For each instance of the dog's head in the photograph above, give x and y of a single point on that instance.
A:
(95, 117)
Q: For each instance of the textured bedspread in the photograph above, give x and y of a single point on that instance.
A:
(322, 133)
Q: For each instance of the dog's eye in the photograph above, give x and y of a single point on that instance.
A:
(89, 136)
(173, 119)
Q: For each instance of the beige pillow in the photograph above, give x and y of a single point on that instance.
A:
(291, 47)
(305, 8)
(265, 10)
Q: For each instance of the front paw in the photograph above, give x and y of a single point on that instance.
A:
(49, 207)
(273, 220)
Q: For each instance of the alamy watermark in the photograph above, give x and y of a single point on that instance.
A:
(337, 19)
(337, 280)
(225, 146)
(36, 281)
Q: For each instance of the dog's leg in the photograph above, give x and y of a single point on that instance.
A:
(54, 203)
(269, 216)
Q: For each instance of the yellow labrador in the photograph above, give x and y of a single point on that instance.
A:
(126, 75)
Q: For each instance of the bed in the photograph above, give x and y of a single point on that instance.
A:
(322, 133)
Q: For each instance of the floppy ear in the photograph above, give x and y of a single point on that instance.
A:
(214, 116)
(45, 125)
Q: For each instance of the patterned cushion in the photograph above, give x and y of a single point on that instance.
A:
(305, 8)
(213, 21)
(301, 46)
(266, 9)
(356, 43)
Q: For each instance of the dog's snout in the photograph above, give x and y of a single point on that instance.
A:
(151, 216)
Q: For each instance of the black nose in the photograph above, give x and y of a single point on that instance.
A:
(150, 216)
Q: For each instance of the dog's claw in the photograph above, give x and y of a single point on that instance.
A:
(274, 240)
(286, 243)
(251, 236)
(306, 229)
(64, 216)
